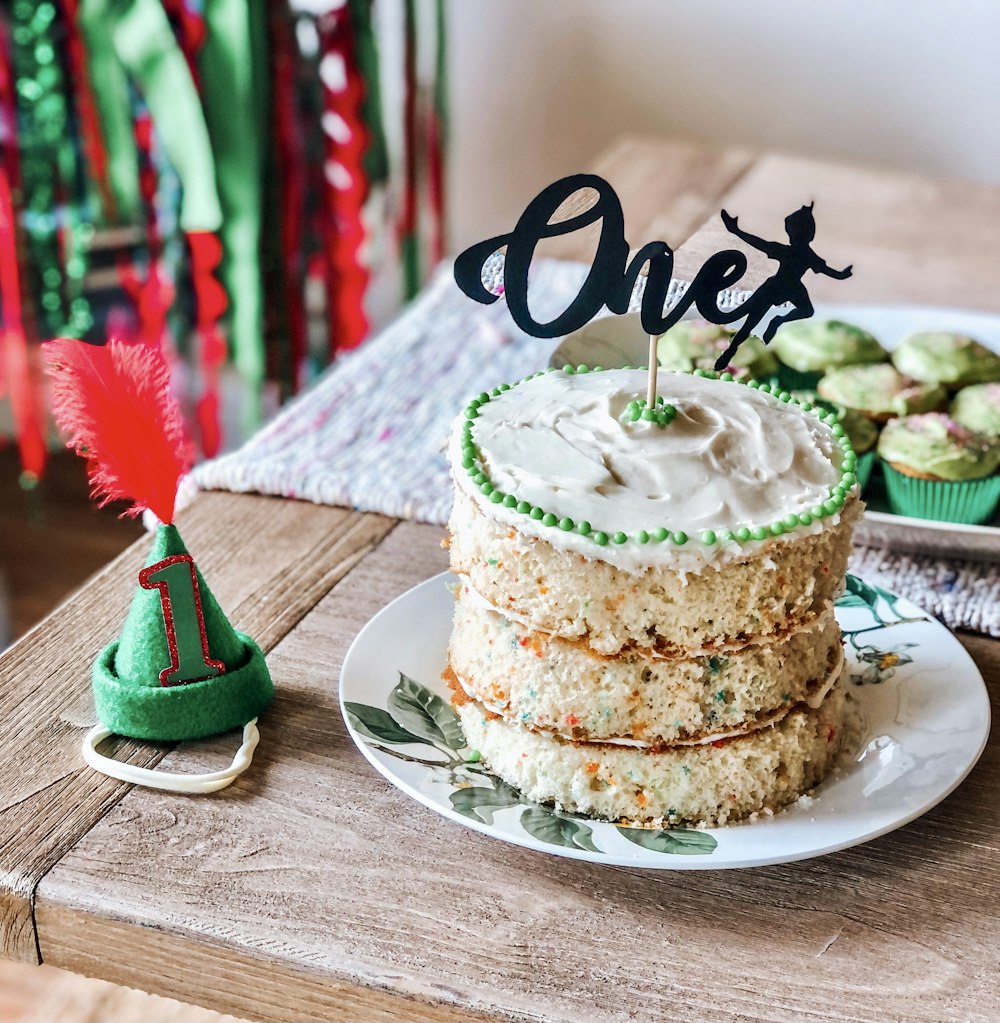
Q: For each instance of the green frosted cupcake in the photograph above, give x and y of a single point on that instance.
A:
(860, 430)
(953, 360)
(936, 468)
(807, 349)
(697, 344)
(880, 392)
(978, 408)
(863, 435)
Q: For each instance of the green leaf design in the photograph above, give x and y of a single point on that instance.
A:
(679, 842)
(858, 594)
(547, 826)
(425, 714)
(481, 803)
(888, 596)
(378, 724)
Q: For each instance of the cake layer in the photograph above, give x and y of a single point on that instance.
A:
(563, 686)
(761, 591)
(710, 784)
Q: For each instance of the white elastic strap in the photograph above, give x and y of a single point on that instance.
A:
(192, 783)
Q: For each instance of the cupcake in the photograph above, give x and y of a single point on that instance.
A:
(809, 348)
(953, 360)
(936, 468)
(880, 392)
(696, 344)
(863, 435)
(860, 430)
(978, 408)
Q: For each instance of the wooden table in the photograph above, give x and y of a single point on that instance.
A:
(311, 890)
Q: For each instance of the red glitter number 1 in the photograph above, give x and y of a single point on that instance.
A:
(183, 620)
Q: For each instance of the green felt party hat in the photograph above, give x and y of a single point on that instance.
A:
(183, 674)
(179, 670)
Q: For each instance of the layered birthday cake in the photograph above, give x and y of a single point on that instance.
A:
(644, 627)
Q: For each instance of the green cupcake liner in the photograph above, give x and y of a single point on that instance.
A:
(798, 380)
(972, 502)
(863, 469)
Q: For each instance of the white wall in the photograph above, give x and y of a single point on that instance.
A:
(540, 86)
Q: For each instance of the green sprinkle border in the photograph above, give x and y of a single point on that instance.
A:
(831, 505)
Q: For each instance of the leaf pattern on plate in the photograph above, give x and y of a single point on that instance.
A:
(480, 803)
(378, 724)
(880, 662)
(858, 593)
(680, 841)
(549, 826)
(424, 713)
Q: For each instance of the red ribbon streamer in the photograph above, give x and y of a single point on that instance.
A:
(153, 295)
(346, 186)
(291, 161)
(22, 377)
(210, 304)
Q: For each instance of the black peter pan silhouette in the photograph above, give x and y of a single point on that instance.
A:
(785, 285)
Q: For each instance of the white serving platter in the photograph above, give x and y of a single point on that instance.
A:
(923, 704)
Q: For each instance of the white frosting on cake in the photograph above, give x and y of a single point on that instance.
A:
(732, 457)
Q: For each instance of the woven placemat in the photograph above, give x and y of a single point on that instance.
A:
(371, 433)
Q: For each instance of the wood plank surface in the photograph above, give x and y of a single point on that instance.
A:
(53, 538)
(43, 994)
(313, 890)
(268, 562)
(666, 187)
(313, 860)
(911, 240)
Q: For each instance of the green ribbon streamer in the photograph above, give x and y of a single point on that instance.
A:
(54, 237)
(231, 63)
(376, 158)
(144, 43)
(114, 106)
(410, 244)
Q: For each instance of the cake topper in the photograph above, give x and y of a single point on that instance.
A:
(613, 275)
(179, 670)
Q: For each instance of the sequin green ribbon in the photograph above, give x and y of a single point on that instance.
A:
(56, 238)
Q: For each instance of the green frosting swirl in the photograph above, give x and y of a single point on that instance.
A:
(880, 391)
(978, 408)
(813, 346)
(696, 344)
(935, 445)
(943, 358)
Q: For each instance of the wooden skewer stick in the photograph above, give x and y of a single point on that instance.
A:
(651, 386)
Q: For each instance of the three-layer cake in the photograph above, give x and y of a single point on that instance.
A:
(644, 625)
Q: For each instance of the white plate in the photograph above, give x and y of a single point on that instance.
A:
(925, 705)
(619, 341)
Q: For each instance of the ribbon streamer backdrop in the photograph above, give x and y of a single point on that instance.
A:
(214, 177)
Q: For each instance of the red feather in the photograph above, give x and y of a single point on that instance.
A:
(114, 404)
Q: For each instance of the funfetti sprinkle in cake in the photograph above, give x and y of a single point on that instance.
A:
(644, 627)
